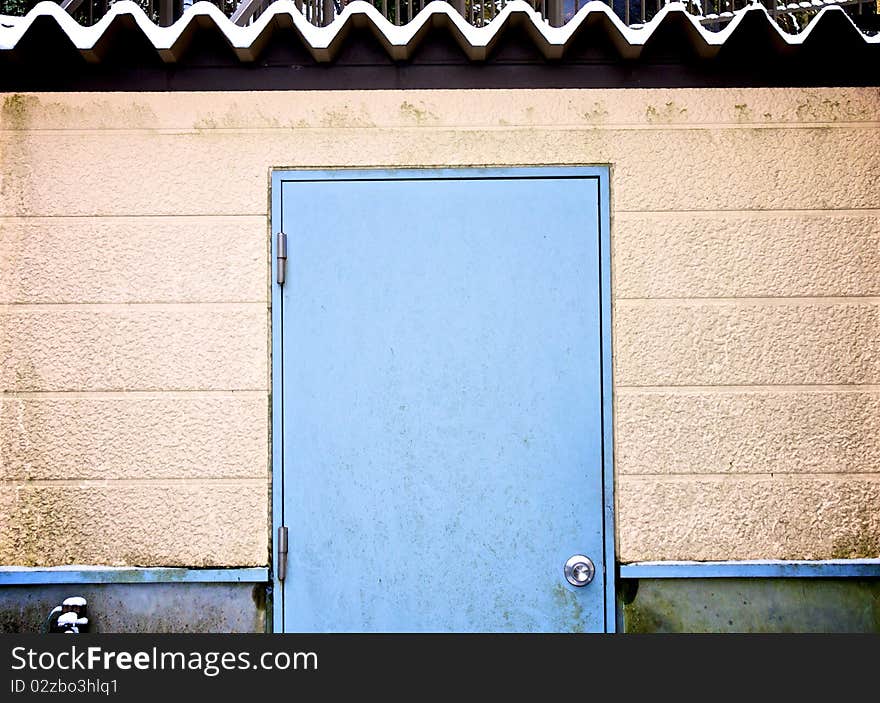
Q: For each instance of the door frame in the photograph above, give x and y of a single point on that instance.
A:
(600, 172)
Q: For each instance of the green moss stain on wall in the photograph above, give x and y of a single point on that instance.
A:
(16, 110)
(15, 115)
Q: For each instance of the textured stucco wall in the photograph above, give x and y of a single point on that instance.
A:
(134, 285)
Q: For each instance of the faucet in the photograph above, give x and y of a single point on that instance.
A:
(69, 617)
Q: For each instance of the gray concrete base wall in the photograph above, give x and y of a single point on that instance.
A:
(749, 605)
(156, 607)
(645, 605)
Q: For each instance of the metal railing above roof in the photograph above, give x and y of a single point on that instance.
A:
(792, 15)
(832, 50)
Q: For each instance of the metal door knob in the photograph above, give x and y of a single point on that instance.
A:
(579, 570)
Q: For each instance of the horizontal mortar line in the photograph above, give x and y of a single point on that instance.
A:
(135, 394)
(764, 388)
(616, 212)
(778, 299)
(445, 126)
(759, 474)
(131, 482)
(768, 212)
(766, 475)
(165, 306)
(12, 218)
(635, 301)
(128, 303)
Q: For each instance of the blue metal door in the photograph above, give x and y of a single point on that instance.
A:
(442, 400)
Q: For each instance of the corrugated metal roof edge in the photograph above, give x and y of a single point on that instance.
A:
(324, 43)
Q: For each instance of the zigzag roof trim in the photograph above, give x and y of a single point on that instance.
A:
(324, 43)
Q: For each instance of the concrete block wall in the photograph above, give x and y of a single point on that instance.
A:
(134, 423)
(135, 278)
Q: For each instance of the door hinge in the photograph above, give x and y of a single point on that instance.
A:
(280, 256)
(282, 553)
